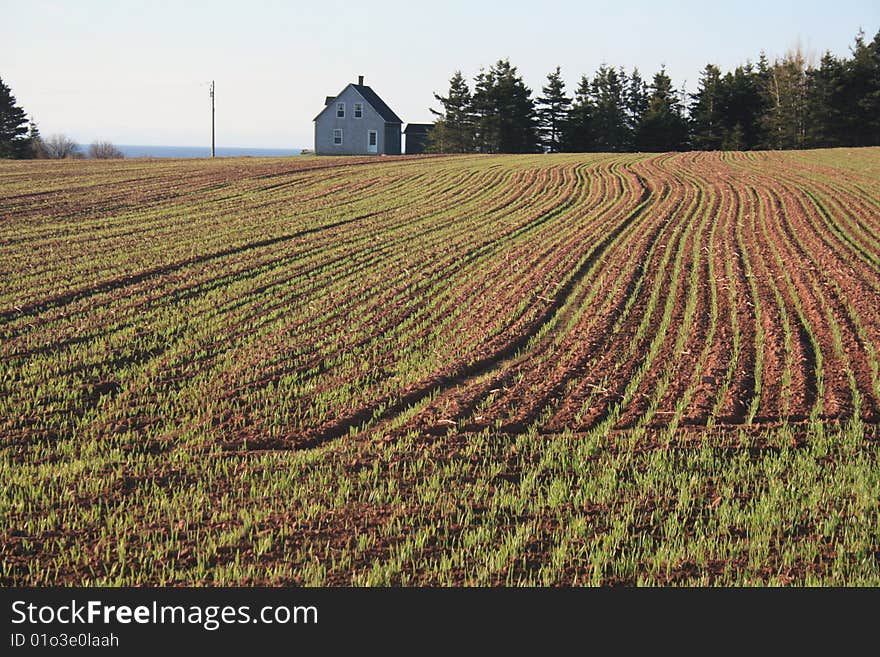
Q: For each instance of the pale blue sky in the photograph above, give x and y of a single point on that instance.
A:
(137, 72)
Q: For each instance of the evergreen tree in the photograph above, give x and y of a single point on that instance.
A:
(553, 109)
(13, 126)
(663, 127)
(870, 103)
(35, 141)
(578, 136)
(743, 107)
(826, 110)
(609, 115)
(519, 130)
(505, 111)
(486, 120)
(862, 92)
(636, 104)
(707, 111)
(453, 131)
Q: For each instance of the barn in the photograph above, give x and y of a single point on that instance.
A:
(357, 121)
(416, 137)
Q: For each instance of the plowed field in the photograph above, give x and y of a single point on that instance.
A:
(489, 370)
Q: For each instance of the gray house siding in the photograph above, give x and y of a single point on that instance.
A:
(355, 131)
(392, 138)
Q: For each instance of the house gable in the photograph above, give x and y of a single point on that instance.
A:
(349, 96)
(364, 95)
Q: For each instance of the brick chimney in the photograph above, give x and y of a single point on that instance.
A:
(361, 80)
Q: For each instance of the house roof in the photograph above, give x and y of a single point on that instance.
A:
(378, 104)
(372, 98)
(417, 128)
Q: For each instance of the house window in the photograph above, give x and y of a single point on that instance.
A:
(358, 110)
(337, 137)
(340, 110)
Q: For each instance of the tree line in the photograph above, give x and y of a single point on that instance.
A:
(785, 104)
(20, 137)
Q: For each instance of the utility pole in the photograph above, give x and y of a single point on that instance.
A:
(212, 118)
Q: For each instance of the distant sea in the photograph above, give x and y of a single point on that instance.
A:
(200, 151)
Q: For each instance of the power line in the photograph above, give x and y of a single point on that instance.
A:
(114, 90)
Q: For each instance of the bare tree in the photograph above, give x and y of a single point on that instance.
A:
(104, 150)
(59, 147)
(787, 91)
